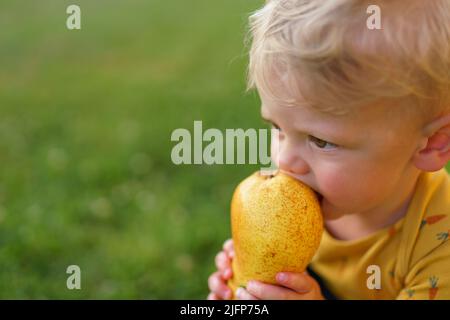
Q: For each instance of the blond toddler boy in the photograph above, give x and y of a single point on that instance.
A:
(364, 120)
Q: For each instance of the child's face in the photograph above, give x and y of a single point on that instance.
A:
(357, 162)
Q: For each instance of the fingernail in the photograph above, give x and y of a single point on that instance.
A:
(281, 277)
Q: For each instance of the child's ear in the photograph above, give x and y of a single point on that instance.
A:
(434, 152)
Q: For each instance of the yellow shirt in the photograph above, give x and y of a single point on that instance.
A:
(413, 255)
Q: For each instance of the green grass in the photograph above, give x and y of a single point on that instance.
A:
(86, 118)
(85, 124)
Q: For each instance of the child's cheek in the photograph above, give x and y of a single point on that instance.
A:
(335, 186)
(350, 191)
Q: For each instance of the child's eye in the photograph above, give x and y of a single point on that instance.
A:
(322, 144)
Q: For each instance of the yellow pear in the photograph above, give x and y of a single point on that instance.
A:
(276, 226)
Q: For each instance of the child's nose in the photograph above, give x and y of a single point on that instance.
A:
(290, 159)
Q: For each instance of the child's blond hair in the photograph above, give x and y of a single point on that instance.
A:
(324, 49)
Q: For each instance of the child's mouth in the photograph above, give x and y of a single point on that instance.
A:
(319, 196)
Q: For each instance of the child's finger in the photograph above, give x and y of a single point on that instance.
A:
(227, 274)
(267, 291)
(229, 248)
(212, 296)
(218, 286)
(299, 282)
(242, 294)
(222, 261)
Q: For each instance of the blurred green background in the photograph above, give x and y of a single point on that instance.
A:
(85, 123)
(86, 117)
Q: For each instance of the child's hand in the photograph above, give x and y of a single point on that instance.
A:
(294, 286)
(217, 282)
